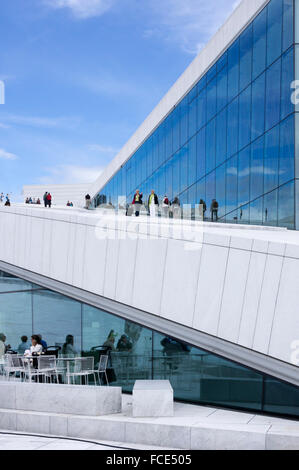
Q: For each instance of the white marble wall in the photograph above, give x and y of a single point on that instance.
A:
(239, 283)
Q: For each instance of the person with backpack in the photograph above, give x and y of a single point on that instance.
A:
(165, 206)
(49, 200)
(214, 210)
(87, 201)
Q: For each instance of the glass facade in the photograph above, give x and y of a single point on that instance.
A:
(232, 137)
(196, 375)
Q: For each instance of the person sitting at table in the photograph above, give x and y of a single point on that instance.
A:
(68, 347)
(35, 348)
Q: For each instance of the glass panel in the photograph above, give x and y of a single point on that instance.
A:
(288, 26)
(198, 375)
(233, 70)
(55, 317)
(274, 36)
(220, 189)
(259, 44)
(201, 153)
(130, 345)
(210, 190)
(210, 145)
(183, 158)
(258, 107)
(221, 136)
(244, 117)
(192, 118)
(273, 94)
(9, 283)
(281, 397)
(231, 184)
(256, 212)
(202, 109)
(271, 159)
(211, 99)
(287, 150)
(232, 127)
(16, 318)
(176, 130)
(270, 209)
(287, 78)
(184, 120)
(286, 205)
(245, 57)
(192, 161)
(257, 168)
(222, 89)
(243, 176)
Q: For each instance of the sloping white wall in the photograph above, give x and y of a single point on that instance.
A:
(239, 284)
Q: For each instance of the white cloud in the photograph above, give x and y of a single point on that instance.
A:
(7, 155)
(82, 9)
(188, 23)
(37, 121)
(103, 149)
(70, 174)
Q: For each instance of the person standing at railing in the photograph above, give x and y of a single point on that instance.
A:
(153, 204)
(137, 202)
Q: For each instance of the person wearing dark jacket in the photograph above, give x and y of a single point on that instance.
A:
(137, 202)
(153, 203)
(214, 210)
(87, 201)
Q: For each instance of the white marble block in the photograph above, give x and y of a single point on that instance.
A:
(152, 398)
(64, 399)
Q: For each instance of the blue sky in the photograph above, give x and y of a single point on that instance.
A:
(81, 75)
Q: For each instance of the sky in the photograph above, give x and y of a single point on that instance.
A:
(80, 77)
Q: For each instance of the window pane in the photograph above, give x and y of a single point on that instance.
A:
(270, 209)
(271, 159)
(201, 153)
(192, 118)
(287, 78)
(281, 397)
(201, 109)
(183, 158)
(176, 130)
(231, 184)
(244, 117)
(257, 168)
(220, 189)
(211, 99)
(259, 43)
(192, 171)
(210, 190)
(243, 176)
(273, 94)
(288, 26)
(221, 137)
(16, 317)
(210, 145)
(286, 206)
(184, 117)
(258, 107)
(287, 150)
(245, 57)
(9, 282)
(256, 212)
(233, 70)
(274, 35)
(222, 89)
(49, 309)
(232, 127)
